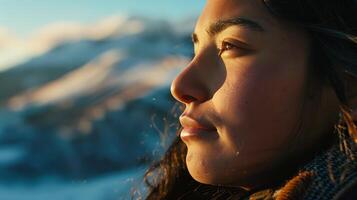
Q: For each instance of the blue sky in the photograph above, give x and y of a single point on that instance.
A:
(25, 16)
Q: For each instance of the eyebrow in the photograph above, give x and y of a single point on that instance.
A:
(219, 26)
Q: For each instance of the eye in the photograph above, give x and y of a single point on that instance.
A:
(226, 46)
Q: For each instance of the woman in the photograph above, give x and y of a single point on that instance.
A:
(268, 101)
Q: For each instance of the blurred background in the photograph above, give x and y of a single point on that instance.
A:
(85, 104)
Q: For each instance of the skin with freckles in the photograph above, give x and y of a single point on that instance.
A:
(249, 79)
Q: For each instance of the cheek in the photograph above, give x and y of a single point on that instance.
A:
(260, 104)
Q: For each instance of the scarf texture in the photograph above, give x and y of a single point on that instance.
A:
(325, 177)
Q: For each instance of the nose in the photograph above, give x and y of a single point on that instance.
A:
(191, 85)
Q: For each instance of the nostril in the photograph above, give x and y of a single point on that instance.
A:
(188, 98)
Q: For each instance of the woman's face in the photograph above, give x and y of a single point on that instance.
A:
(244, 93)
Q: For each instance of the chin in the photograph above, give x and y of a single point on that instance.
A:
(209, 171)
(210, 179)
(201, 169)
(213, 178)
(220, 177)
(204, 168)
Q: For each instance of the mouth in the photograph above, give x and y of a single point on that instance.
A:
(193, 128)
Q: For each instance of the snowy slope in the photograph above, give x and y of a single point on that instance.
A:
(93, 107)
(119, 186)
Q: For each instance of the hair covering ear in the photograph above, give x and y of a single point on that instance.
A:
(354, 115)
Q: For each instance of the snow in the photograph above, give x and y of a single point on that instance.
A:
(9, 154)
(110, 187)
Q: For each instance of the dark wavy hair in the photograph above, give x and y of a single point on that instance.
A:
(332, 26)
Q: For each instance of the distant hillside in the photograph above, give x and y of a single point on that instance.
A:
(92, 106)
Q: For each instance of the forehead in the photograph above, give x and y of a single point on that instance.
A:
(216, 10)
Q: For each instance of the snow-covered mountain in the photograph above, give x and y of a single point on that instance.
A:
(92, 105)
(139, 39)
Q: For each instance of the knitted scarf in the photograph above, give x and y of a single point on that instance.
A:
(325, 176)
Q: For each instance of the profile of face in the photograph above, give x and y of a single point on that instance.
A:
(245, 94)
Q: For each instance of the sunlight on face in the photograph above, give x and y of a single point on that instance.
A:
(244, 92)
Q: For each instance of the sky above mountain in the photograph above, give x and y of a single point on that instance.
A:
(25, 16)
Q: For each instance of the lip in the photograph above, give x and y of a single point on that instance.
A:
(193, 128)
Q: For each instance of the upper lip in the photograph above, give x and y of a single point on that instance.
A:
(191, 122)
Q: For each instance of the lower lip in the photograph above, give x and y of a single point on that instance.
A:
(188, 133)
